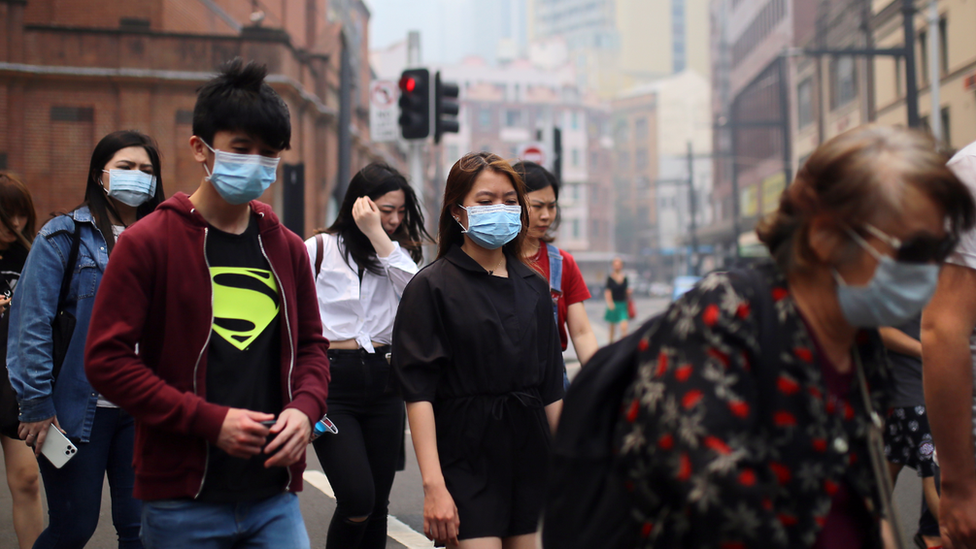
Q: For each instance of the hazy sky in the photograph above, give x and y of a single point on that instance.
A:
(446, 30)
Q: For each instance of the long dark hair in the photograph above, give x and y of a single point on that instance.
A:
(16, 199)
(374, 181)
(459, 183)
(95, 197)
(537, 178)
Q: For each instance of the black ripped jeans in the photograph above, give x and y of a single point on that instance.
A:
(361, 460)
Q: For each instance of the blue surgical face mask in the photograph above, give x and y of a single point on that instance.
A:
(895, 294)
(130, 187)
(241, 178)
(492, 226)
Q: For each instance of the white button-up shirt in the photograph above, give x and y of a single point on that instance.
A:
(353, 310)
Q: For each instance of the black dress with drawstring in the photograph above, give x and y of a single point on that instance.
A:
(485, 352)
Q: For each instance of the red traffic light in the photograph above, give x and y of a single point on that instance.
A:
(408, 84)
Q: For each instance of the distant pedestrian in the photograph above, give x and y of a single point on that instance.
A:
(948, 359)
(208, 333)
(17, 222)
(617, 294)
(750, 420)
(123, 185)
(362, 264)
(907, 435)
(476, 354)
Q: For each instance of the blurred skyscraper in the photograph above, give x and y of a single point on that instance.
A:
(616, 44)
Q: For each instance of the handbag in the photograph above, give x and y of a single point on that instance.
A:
(631, 309)
(63, 325)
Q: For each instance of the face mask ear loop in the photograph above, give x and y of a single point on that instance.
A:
(209, 173)
(102, 183)
(864, 244)
(458, 221)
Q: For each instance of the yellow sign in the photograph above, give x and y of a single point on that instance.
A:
(772, 187)
(749, 201)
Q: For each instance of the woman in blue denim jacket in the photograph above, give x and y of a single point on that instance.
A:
(123, 185)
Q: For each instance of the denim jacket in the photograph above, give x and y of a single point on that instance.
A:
(34, 304)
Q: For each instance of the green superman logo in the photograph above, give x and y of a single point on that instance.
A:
(245, 301)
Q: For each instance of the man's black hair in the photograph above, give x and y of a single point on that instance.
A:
(238, 99)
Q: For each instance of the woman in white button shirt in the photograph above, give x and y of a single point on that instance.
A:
(362, 263)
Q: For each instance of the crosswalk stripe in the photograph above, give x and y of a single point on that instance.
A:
(403, 534)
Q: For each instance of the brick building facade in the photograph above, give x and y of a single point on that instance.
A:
(72, 71)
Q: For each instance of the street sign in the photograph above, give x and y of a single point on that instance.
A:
(383, 110)
(533, 152)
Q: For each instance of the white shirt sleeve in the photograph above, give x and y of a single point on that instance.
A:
(963, 164)
(399, 267)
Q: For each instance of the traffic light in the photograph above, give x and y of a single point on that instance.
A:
(446, 107)
(415, 103)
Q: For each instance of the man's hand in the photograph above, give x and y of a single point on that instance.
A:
(291, 434)
(957, 518)
(35, 432)
(242, 434)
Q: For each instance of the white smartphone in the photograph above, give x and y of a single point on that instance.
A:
(57, 448)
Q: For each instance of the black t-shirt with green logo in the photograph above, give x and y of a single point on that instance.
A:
(244, 358)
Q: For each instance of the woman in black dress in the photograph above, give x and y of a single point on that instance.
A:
(477, 356)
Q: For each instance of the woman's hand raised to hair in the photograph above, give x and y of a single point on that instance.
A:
(367, 217)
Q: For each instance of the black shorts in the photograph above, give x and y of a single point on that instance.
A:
(908, 439)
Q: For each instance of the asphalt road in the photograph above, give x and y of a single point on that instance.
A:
(406, 499)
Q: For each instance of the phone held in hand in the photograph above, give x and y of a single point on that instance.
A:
(57, 448)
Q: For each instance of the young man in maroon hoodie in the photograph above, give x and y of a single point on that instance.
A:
(206, 330)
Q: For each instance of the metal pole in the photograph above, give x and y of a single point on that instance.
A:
(735, 180)
(692, 207)
(935, 119)
(911, 83)
(784, 113)
(416, 146)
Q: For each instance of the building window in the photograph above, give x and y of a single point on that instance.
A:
(623, 161)
(640, 130)
(594, 161)
(574, 120)
(513, 118)
(640, 159)
(923, 57)
(72, 114)
(943, 47)
(621, 131)
(576, 158)
(804, 103)
(484, 117)
(843, 76)
(184, 117)
(576, 228)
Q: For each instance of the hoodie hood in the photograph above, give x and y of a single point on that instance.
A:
(180, 203)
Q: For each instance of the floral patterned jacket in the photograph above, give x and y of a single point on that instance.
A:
(724, 447)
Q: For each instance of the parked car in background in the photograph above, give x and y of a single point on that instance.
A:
(660, 289)
(682, 284)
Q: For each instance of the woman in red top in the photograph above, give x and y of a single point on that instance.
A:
(568, 288)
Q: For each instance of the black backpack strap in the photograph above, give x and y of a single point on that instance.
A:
(70, 267)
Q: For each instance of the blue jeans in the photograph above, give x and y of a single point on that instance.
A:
(74, 492)
(270, 523)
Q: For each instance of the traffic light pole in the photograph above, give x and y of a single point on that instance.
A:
(415, 154)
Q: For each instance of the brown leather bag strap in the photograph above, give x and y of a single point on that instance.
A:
(319, 251)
